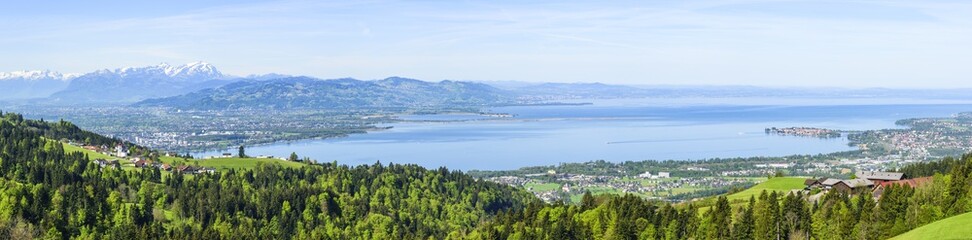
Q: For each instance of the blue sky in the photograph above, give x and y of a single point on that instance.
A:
(898, 44)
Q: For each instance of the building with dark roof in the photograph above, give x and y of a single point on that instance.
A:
(880, 177)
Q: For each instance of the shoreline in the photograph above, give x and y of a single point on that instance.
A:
(851, 150)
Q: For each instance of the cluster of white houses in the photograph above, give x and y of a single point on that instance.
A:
(120, 151)
(648, 175)
(865, 181)
(137, 162)
(117, 151)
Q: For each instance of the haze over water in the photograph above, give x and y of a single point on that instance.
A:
(614, 130)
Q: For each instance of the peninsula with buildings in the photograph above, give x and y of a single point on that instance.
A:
(804, 132)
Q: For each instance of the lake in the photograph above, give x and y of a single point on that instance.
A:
(614, 130)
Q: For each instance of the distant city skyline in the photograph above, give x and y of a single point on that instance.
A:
(853, 44)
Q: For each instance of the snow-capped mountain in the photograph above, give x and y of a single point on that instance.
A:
(36, 76)
(195, 70)
(190, 71)
(138, 83)
(32, 84)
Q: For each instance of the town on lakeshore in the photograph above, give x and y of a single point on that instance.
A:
(925, 139)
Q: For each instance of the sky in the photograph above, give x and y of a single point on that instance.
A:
(894, 44)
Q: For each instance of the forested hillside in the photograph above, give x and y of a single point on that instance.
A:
(769, 216)
(48, 193)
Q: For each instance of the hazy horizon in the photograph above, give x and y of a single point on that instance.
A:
(851, 44)
(508, 83)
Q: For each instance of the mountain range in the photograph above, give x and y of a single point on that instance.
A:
(32, 84)
(200, 85)
(132, 84)
(310, 93)
(123, 85)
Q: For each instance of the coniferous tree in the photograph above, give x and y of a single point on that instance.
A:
(720, 217)
(587, 201)
(774, 216)
(865, 228)
(766, 226)
(743, 228)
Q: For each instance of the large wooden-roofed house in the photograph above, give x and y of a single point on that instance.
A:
(142, 163)
(813, 183)
(880, 177)
(829, 183)
(810, 182)
(185, 169)
(853, 185)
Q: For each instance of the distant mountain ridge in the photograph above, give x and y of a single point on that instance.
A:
(312, 93)
(32, 84)
(129, 85)
(581, 90)
(138, 83)
(36, 75)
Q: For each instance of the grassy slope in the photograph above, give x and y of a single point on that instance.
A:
(220, 163)
(956, 227)
(542, 187)
(227, 163)
(91, 154)
(740, 199)
(780, 184)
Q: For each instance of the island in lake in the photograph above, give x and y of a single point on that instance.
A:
(804, 132)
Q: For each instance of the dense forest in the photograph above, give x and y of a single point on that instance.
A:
(50, 194)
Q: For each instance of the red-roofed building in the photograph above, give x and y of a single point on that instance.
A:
(914, 182)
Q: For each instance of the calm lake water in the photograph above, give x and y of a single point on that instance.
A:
(615, 130)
